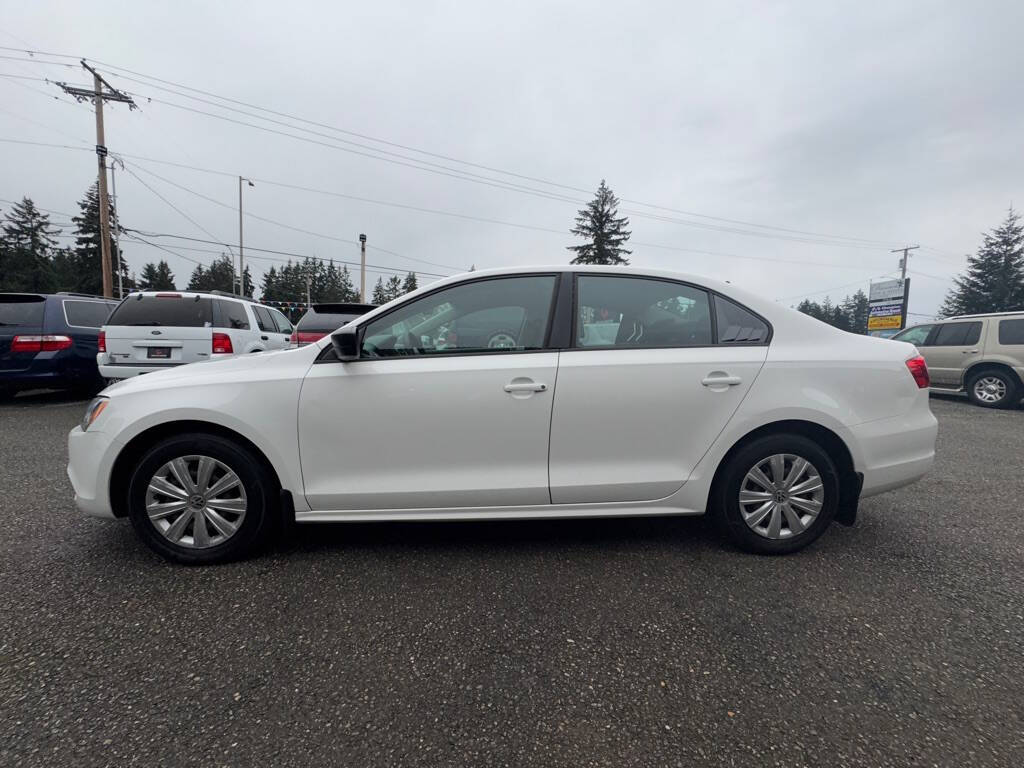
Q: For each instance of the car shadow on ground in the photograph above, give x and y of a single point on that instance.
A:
(45, 397)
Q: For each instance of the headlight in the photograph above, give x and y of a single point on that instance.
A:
(93, 412)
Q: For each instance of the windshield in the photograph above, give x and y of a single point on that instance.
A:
(177, 311)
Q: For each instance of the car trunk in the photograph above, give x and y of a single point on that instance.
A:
(167, 329)
(20, 315)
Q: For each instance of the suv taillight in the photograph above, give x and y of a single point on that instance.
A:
(45, 343)
(222, 344)
(101, 341)
(919, 370)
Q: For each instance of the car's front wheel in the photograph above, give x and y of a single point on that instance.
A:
(777, 494)
(992, 389)
(200, 499)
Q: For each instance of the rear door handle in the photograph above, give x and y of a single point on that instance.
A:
(971, 351)
(721, 380)
(521, 386)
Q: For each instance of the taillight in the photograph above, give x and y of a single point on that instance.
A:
(101, 341)
(919, 370)
(45, 343)
(222, 344)
(307, 337)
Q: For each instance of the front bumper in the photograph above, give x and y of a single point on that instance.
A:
(90, 460)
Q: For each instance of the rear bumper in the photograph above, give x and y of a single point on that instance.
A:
(891, 453)
(51, 370)
(90, 460)
(127, 371)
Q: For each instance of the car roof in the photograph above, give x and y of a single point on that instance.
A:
(982, 315)
(191, 294)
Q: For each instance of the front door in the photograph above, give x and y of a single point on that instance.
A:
(649, 386)
(427, 418)
(950, 349)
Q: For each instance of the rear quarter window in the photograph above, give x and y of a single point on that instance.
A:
(15, 311)
(176, 312)
(86, 314)
(1011, 332)
(233, 316)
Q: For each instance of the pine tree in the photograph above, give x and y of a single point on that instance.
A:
(994, 278)
(393, 287)
(157, 277)
(26, 243)
(347, 290)
(89, 266)
(605, 232)
(380, 295)
(857, 310)
(409, 285)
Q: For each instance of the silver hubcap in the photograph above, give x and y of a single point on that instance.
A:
(990, 389)
(501, 341)
(196, 501)
(781, 496)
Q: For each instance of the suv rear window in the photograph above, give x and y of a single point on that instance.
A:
(21, 310)
(86, 314)
(1011, 331)
(324, 322)
(175, 311)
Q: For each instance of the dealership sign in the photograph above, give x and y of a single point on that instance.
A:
(887, 303)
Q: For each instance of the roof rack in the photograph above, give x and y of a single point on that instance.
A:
(85, 295)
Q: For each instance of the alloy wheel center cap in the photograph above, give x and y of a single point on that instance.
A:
(197, 501)
(780, 497)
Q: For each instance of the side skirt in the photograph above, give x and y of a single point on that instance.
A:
(550, 512)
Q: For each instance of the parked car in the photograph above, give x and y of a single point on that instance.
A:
(706, 398)
(980, 354)
(155, 330)
(322, 319)
(49, 341)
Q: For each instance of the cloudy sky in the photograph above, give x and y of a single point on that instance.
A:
(783, 146)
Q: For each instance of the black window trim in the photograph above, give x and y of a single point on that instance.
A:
(327, 353)
(712, 294)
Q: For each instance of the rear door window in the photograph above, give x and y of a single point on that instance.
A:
(1011, 331)
(957, 335)
(86, 314)
(283, 324)
(233, 316)
(21, 310)
(264, 320)
(173, 311)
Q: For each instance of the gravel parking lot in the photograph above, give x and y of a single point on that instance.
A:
(621, 643)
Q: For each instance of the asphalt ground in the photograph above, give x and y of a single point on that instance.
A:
(617, 642)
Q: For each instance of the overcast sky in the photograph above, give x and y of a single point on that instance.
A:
(888, 122)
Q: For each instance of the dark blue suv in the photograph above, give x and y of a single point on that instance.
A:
(50, 341)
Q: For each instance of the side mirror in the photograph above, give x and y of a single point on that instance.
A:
(346, 344)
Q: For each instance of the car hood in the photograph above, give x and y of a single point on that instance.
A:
(236, 370)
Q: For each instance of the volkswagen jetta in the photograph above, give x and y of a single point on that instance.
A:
(618, 392)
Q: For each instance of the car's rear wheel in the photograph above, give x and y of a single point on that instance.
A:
(777, 494)
(200, 499)
(993, 389)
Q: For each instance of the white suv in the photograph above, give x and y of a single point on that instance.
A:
(153, 330)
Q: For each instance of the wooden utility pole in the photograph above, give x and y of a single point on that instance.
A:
(98, 95)
(903, 262)
(362, 269)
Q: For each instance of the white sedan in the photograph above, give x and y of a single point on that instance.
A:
(613, 392)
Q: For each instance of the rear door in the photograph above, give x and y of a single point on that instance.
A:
(20, 314)
(657, 369)
(950, 348)
(160, 329)
(269, 332)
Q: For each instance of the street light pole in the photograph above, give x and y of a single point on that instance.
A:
(362, 269)
(241, 256)
(116, 234)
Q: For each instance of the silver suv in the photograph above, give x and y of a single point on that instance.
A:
(980, 354)
(153, 330)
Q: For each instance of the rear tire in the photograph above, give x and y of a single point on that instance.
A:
(993, 389)
(185, 503)
(777, 494)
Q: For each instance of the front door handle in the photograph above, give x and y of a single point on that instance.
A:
(525, 386)
(721, 380)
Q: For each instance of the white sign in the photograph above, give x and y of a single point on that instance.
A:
(887, 290)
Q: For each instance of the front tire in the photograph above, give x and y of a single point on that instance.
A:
(200, 499)
(993, 389)
(777, 494)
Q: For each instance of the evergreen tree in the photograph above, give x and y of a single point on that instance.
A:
(857, 310)
(219, 276)
(26, 243)
(994, 278)
(605, 232)
(88, 257)
(393, 287)
(380, 295)
(346, 289)
(410, 283)
(157, 277)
